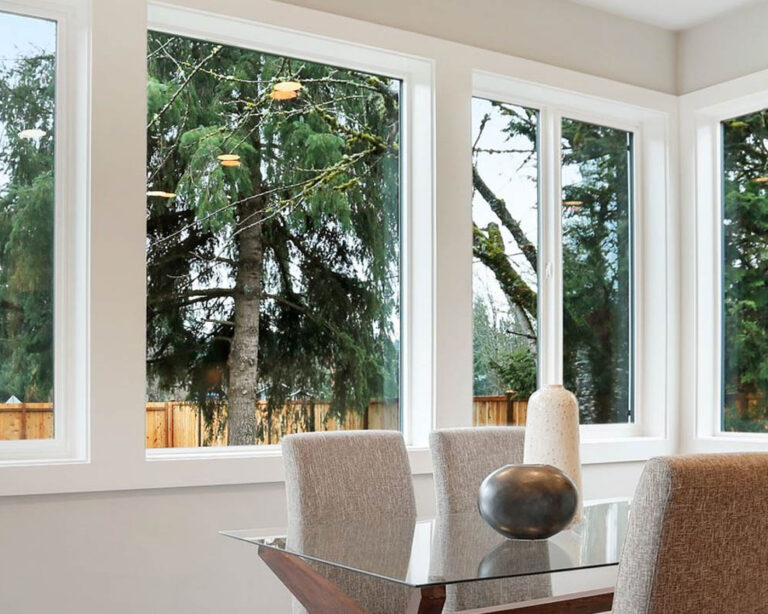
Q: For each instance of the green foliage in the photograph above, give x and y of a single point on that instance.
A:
(745, 270)
(517, 368)
(503, 362)
(319, 176)
(596, 270)
(26, 229)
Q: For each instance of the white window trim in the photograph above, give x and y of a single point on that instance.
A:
(70, 442)
(649, 433)
(116, 279)
(702, 112)
(416, 186)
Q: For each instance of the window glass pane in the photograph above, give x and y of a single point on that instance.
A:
(273, 246)
(597, 281)
(27, 103)
(745, 272)
(505, 242)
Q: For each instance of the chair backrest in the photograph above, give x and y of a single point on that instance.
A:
(347, 475)
(463, 457)
(696, 537)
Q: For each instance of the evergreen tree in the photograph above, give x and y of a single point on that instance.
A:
(281, 274)
(745, 272)
(26, 228)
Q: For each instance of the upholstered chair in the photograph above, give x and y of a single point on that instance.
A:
(461, 458)
(349, 477)
(696, 537)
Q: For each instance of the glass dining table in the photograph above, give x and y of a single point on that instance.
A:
(431, 554)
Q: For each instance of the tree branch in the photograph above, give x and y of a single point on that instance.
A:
(488, 247)
(499, 207)
(184, 84)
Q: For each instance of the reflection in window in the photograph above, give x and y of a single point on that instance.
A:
(597, 286)
(505, 240)
(745, 273)
(27, 103)
(273, 246)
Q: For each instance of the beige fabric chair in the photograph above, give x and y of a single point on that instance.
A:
(461, 458)
(696, 542)
(349, 476)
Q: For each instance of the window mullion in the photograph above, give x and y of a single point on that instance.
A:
(550, 253)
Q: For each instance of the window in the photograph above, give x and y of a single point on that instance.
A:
(595, 246)
(744, 273)
(505, 239)
(28, 64)
(597, 281)
(273, 246)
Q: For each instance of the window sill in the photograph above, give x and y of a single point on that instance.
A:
(624, 449)
(729, 442)
(195, 468)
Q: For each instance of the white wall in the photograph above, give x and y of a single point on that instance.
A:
(722, 49)
(556, 32)
(158, 550)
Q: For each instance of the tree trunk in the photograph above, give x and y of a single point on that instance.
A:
(244, 352)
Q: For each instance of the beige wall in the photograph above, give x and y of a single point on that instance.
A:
(722, 49)
(552, 31)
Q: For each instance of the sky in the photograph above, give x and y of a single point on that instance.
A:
(19, 37)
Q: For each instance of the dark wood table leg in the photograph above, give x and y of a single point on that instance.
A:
(588, 602)
(315, 592)
(429, 600)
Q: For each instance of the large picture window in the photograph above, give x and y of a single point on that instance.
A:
(273, 246)
(595, 237)
(27, 188)
(744, 273)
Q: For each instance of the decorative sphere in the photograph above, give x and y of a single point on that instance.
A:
(528, 501)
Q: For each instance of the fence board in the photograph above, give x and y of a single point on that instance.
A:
(180, 424)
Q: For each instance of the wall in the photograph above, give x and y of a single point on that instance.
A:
(158, 550)
(552, 31)
(722, 49)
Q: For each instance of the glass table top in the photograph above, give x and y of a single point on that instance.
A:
(450, 549)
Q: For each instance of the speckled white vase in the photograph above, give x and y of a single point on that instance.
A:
(552, 434)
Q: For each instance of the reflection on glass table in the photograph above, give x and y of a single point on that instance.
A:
(435, 552)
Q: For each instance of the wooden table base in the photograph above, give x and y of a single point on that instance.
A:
(320, 596)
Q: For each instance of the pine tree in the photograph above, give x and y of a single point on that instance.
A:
(281, 274)
(26, 228)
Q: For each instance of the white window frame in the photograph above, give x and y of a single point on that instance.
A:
(416, 186)
(649, 433)
(439, 371)
(703, 111)
(70, 443)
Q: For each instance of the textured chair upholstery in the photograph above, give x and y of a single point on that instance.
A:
(462, 458)
(696, 537)
(349, 476)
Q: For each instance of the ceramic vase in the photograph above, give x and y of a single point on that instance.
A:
(552, 434)
(528, 501)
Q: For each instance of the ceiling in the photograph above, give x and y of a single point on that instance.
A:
(670, 14)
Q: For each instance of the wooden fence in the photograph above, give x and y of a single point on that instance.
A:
(176, 424)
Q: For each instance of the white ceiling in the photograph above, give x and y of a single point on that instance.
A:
(670, 14)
